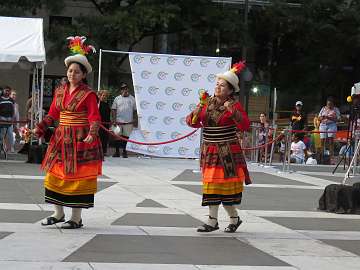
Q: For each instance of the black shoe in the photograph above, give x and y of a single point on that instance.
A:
(52, 221)
(207, 228)
(231, 228)
(70, 224)
(124, 154)
(116, 155)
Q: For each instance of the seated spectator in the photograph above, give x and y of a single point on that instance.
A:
(346, 150)
(298, 150)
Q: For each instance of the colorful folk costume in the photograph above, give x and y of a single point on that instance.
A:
(223, 165)
(72, 165)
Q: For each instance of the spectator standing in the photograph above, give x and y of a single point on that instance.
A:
(298, 118)
(6, 113)
(123, 110)
(15, 127)
(264, 134)
(328, 117)
(105, 113)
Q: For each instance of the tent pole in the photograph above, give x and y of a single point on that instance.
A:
(99, 73)
(41, 98)
(32, 100)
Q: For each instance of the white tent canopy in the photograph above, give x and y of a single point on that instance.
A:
(21, 37)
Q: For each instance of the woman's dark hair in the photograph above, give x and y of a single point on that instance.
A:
(82, 68)
(231, 87)
(331, 99)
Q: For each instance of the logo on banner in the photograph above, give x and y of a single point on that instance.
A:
(211, 77)
(182, 121)
(160, 105)
(195, 77)
(137, 89)
(160, 134)
(192, 107)
(135, 146)
(221, 63)
(162, 75)
(151, 149)
(144, 105)
(186, 91)
(154, 60)
(179, 76)
(168, 120)
(175, 135)
(169, 91)
(171, 60)
(188, 61)
(192, 137)
(167, 150)
(152, 120)
(138, 59)
(145, 74)
(177, 106)
(197, 151)
(153, 90)
(182, 150)
(145, 133)
(204, 62)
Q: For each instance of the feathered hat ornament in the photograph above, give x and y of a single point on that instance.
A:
(78, 51)
(238, 67)
(231, 75)
(77, 46)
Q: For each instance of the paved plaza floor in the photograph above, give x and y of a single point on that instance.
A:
(146, 213)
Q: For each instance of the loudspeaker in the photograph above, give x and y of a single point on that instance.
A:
(341, 199)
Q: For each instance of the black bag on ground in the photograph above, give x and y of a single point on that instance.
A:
(340, 199)
(36, 153)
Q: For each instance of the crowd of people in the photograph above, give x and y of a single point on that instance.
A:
(311, 143)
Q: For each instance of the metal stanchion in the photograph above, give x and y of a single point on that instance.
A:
(285, 150)
(257, 151)
(272, 145)
(266, 146)
(289, 149)
(252, 153)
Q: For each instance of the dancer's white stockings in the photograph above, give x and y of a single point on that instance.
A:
(232, 212)
(213, 213)
(59, 211)
(76, 214)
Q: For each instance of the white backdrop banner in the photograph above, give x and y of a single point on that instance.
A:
(166, 91)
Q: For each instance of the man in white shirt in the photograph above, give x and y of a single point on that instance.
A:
(298, 150)
(122, 112)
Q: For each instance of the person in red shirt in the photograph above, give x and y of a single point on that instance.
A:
(74, 156)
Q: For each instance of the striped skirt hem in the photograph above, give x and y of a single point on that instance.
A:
(73, 201)
(217, 199)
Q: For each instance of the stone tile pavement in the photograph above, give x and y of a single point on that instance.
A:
(145, 216)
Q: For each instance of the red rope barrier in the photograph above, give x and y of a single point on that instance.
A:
(265, 144)
(147, 143)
